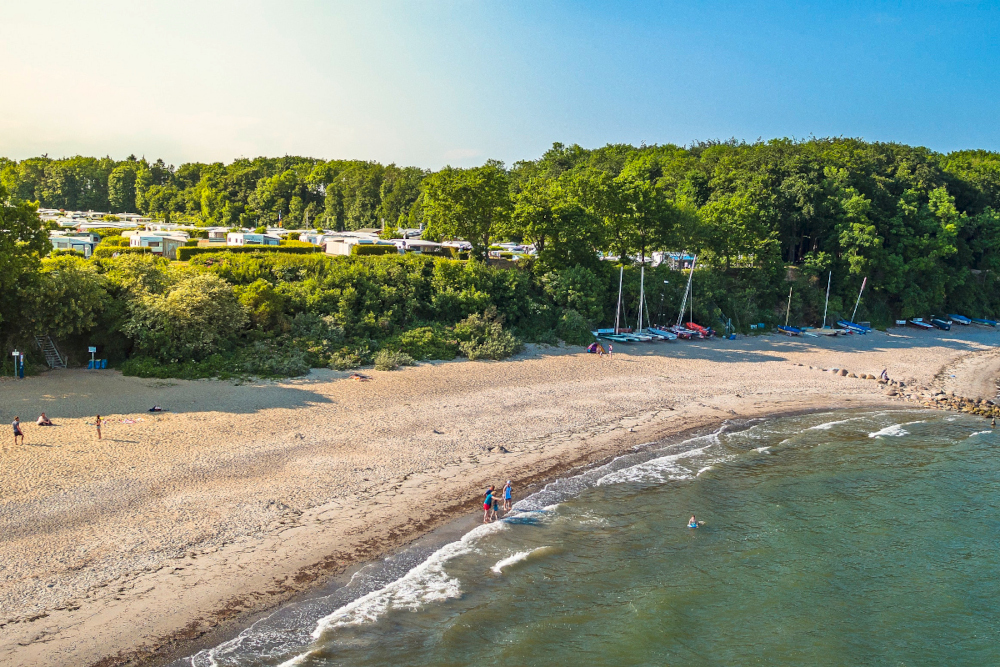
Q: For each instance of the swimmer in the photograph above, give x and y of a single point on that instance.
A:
(692, 522)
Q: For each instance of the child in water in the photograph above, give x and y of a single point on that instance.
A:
(692, 522)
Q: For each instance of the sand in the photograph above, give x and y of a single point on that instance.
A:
(241, 496)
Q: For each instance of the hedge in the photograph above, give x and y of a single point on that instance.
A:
(186, 253)
(105, 251)
(366, 249)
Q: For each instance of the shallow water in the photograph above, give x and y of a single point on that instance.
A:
(830, 539)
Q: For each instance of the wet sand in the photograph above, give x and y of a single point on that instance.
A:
(242, 496)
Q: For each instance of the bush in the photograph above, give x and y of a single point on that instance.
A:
(346, 360)
(483, 337)
(185, 253)
(577, 289)
(270, 359)
(104, 251)
(64, 252)
(366, 249)
(390, 360)
(422, 343)
(198, 316)
(573, 328)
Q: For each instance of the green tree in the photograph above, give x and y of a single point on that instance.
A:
(121, 188)
(199, 316)
(470, 204)
(23, 241)
(69, 297)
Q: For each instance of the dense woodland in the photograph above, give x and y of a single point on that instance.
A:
(923, 227)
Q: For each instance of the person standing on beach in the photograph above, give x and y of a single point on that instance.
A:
(487, 503)
(611, 350)
(97, 422)
(18, 433)
(507, 489)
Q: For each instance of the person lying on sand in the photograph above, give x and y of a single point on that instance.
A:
(44, 421)
(359, 377)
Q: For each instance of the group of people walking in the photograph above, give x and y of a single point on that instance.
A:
(492, 504)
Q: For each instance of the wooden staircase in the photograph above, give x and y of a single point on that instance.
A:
(51, 352)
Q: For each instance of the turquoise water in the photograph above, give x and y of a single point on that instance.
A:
(835, 539)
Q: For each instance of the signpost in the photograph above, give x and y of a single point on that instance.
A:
(18, 364)
(92, 351)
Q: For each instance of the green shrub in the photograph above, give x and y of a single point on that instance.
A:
(431, 342)
(63, 252)
(198, 317)
(483, 337)
(104, 251)
(271, 359)
(371, 249)
(346, 360)
(577, 289)
(186, 253)
(390, 360)
(573, 328)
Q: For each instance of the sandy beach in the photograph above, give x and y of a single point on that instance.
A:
(240, 496)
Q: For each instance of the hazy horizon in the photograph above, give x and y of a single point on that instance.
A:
(459, 82)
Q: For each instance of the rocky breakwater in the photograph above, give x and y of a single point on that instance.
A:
(911, 392)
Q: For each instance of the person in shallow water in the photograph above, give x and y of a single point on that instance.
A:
(692, 522)
(487, 503)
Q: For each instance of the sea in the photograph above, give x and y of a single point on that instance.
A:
(838, 538)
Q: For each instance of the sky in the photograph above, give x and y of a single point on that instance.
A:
(458, 82)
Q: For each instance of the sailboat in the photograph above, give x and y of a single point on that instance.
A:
(615, 334)
(679, 329)
(649, 333)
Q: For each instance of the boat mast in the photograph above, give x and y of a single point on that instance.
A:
(859, 298)
(789, 309)
(642, 295)
(687, 290)
(828, 279)
(621, 277)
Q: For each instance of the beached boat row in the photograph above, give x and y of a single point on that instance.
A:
(690, 330)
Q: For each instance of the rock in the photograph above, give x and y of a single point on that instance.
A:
(843, 372)
(891, 392)
(851, 375)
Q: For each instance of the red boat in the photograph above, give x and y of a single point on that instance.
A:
(704, 331)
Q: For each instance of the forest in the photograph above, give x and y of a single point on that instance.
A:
(923, 228)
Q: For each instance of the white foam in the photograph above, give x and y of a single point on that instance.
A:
(662, 469)
(427, 582)
(828, 425)
(895, 430)
(703, 470)
(516, 558)
(971, 435)
(297, 660)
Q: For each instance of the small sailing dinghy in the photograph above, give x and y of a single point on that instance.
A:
(944, 325)
(919, 323)
(852, 326)
(959, 319)
(789, 331)
(988, 323)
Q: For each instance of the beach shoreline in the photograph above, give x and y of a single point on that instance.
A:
(188, 575)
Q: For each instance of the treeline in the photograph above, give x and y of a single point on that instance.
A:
(298, 192)
(923, 227)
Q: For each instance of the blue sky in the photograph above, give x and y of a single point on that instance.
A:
(434, 83)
